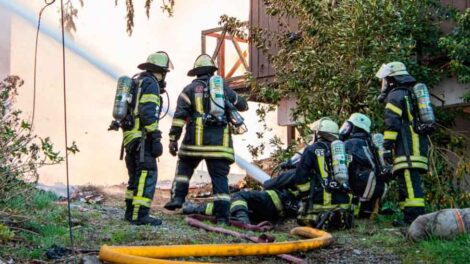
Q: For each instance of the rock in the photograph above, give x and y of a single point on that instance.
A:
(356, 252)
(91, 260)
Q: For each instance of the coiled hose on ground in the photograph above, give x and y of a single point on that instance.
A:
(159, 254)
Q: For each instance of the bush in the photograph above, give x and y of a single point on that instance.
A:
(21, 152)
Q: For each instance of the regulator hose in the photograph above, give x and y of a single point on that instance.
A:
(159, 254)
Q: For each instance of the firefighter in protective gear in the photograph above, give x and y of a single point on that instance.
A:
(365, 175)
(252, 207)
(142, 140)
(204, 139)
(326, 207)
(406, 149)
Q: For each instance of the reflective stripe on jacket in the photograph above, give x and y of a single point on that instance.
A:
(410, 148)
(202, 141)
(148, 110)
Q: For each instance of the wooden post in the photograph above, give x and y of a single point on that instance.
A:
(290, 134)
(221, 58)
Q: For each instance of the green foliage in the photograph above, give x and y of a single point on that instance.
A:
(330, 66)
(329, 63)
(5, 233)
(20, 152)
(457, 47)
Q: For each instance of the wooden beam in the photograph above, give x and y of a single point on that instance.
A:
(203, 43)
(236, 66)
(221, 59)
(227, 37)
(240, 54)
(219, 44)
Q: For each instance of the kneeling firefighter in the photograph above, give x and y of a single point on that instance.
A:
(252, 207)
(321, 176)
(409, 118)
(366, 173)
(208, 110)
(137, 111)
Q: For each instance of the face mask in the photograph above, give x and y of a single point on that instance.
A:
(158, 75)
(345, 130)
(383, 91)
(384, 87)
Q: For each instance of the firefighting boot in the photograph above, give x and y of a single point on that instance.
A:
(129, 209)
(145, 219)
(241, 216)
(222, 212)
(192, 208)
(174, 203)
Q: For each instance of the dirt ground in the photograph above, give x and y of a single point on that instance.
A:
(346, 249)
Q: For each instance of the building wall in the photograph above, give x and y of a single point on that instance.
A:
(5, 40)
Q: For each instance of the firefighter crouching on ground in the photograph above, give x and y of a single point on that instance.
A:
(252, 207)
(328, 205)
(142, 166)
(406, 149)
(366, 178)
(207, 137)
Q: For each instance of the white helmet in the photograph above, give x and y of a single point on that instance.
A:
(395, 68)
(326, 127)
(361, 121)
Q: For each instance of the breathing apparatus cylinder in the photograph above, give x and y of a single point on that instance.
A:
(340, 168)
(426, 113)
(122, 98)
(216, 87)
(378, 140)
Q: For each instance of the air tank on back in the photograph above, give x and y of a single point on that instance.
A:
(378, 140)
(216, 87)
(340, 168)
(426, 113)
(122, 98)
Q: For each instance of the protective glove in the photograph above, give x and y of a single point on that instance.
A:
(173, 147)
(155, 143)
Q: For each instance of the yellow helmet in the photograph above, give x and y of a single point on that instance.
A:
(204, 64)
(395, 68)
(361, 121)
(157, 62)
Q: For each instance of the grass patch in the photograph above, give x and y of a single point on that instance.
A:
(95, 225)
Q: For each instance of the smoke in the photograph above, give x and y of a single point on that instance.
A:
(90, 92)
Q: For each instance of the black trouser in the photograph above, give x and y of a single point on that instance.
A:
(218, 171)
(410, 193)
(142, 181)
(257, 204)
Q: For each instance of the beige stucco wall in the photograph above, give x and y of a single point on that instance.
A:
(90, 93)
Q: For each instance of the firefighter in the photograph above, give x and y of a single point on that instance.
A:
(328, 204)
(404, 147)
(142, 139)
(366, 178)
(207, 137)
(251, 207)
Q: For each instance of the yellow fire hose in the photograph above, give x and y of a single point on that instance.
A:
(159, 254)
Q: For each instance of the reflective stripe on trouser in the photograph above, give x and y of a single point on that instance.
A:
(142, 179)
(258, 205)
(184, 171)
(209, 209)
(410, 193)
(218, 170)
